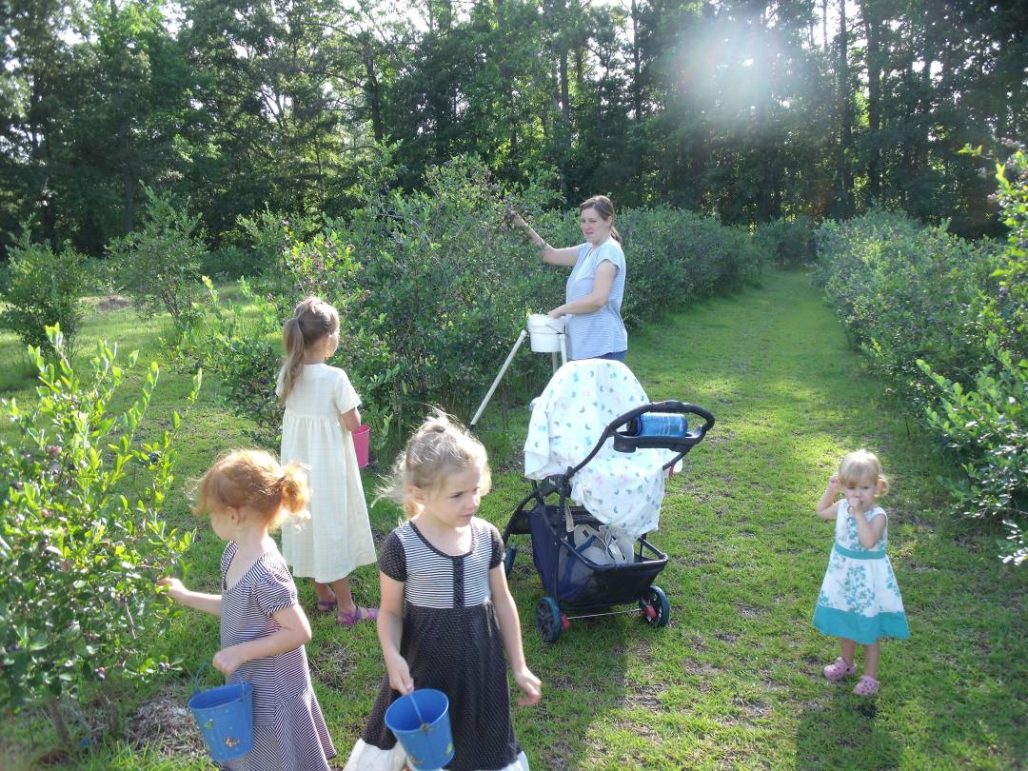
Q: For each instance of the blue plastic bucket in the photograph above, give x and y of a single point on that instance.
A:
(421, 722)
(225, 718)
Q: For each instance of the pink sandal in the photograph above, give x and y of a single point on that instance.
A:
(866, 686)
(839, 669)
(360, 614)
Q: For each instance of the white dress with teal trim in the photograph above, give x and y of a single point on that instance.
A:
(860, 599)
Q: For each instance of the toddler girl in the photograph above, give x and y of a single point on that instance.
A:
(859, 601)
(263, 629)
(320, 414)
(447, 615)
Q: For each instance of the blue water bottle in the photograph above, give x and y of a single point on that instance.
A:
(658, 424)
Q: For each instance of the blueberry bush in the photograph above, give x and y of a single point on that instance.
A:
(158, 265)
(40, 287)
(82, 538)
(985, 422)
(433, 287)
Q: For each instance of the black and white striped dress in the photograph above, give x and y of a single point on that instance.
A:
(289, 730)
(451, 641)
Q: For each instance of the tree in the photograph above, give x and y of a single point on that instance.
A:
(750, 109)
(36, 97)
(158, 265)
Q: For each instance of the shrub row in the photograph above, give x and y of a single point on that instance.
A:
(789, 243)
(943, 320)
(907, 292)
(434, 286)
(677, 257)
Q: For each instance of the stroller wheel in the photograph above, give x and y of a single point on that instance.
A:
(508, 559)
(548, 619)
(655, 606)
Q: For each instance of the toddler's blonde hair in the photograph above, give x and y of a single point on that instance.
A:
(254, 479)
(862, 465)
(439, 448)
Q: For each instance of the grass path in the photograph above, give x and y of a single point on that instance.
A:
(734, 680)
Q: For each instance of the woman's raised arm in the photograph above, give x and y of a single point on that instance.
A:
(566, 256)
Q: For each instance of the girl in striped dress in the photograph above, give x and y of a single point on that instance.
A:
(263, 628)
(446, 618)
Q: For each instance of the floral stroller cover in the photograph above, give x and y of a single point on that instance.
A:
(621, 490)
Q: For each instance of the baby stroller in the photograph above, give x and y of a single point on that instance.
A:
(600, 449)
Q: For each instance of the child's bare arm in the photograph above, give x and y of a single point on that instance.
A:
(208, 603)
(294, 631)
(350, 420)
(510, 630)
(390, 632)
(828, 506)
(870, 532)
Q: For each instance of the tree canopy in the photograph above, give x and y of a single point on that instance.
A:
(746, 110)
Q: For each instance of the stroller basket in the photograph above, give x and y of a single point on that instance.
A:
(579, 582)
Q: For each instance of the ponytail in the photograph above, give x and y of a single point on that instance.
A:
(294, 494)
(253, 479)
(313, 319)
(292, 341)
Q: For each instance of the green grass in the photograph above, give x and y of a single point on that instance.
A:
(734, 680)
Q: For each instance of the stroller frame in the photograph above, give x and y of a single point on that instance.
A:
(572, 581)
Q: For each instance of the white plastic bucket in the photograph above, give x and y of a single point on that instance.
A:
(545, 333)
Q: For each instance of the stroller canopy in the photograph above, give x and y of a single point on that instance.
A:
(622, 490)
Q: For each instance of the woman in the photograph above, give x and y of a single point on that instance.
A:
(596, 285)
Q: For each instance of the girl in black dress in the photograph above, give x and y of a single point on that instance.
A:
(447, 619)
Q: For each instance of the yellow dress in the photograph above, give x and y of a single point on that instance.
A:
(336, 538)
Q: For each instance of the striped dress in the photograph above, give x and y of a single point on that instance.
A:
(451, 641)
(289, 731)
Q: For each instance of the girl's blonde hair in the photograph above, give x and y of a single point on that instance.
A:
(440, 448)
(313, 319)
(862, 465)
(256, 480)
(605, 208)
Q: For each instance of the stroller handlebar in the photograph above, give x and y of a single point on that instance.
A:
(680, 444)
(668, 406)
(625, 442)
